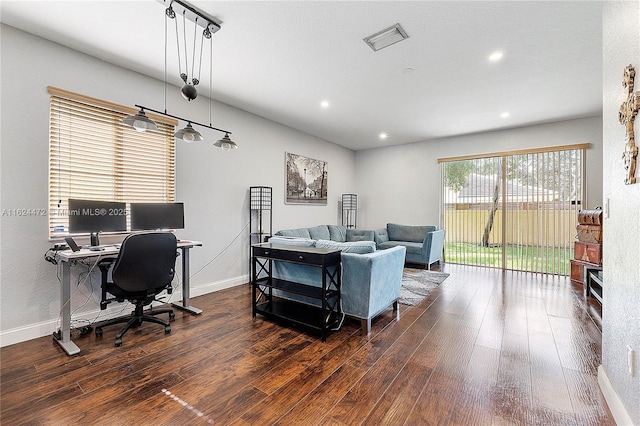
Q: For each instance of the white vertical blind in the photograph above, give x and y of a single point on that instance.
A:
(532, 223)
(93, 155)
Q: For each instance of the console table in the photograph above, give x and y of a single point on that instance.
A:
(320, 318)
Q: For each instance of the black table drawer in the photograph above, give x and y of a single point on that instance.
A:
(308, 257)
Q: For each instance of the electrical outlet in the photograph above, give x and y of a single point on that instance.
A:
(630, 360)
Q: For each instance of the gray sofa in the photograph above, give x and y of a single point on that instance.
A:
(424, 244)
(371, 279)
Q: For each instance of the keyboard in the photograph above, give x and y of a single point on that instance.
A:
(101, 247)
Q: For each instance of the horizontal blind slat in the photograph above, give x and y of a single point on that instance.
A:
(93, 155)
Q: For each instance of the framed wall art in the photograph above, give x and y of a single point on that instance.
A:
(306, 180)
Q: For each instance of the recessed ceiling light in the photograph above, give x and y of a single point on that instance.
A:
(407, 71)
(504, 114)
(382, 135)
(324, 104)
(496, 56)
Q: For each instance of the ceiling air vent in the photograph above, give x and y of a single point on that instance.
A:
(386, 37)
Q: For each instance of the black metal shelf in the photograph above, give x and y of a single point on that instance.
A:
(594, 283)
(270, 295)
(296, 288)
(299, 314)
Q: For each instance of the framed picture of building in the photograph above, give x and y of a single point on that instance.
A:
(306, 180)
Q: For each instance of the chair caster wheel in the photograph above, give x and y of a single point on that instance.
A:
(118, 342)
(167, 329)
(172, 316)
(98, 332)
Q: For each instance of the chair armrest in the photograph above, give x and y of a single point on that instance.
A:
(433, 245)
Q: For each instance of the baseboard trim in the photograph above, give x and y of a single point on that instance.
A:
(44, 328)
(219, 285)
(616, 406)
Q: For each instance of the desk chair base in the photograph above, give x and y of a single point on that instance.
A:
(136, 319)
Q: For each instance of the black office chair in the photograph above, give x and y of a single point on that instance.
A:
(143, 269)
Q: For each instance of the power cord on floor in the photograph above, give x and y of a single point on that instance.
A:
(221, 252)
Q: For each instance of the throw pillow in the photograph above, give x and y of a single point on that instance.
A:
(360, 247)
(359, 235)
(337, 233)
(320, 232)
(292, 241)
(301, 232)
(381, 236)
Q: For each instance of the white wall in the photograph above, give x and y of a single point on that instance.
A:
(401, 184)
(621, 233)
(213, 184)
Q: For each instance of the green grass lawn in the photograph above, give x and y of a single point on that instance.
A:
(552, 260)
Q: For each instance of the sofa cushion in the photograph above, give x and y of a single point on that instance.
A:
(412, 248)
(292, 241)
(380, 235)
(386, 245)
(360, 247)
(359, 235)
(409, 233)
(320, 232)
(337, 233)
(300, 232)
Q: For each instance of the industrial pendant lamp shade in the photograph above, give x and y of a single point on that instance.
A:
(189, 134)
(140, 122)
(226, 143)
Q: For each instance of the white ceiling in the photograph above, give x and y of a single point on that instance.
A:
(280, 59)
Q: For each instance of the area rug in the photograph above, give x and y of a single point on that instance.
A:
(418, 283)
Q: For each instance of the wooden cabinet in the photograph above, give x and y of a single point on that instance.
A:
(588, 245)
(588, 252)
(577, 270)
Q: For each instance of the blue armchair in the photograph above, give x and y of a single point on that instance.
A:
(371, 283)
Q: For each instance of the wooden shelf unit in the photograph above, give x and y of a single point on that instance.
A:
(321, 318)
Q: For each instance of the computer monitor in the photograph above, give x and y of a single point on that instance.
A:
(148, 216)
(91, 216)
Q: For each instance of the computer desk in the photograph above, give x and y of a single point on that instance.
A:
(66, 256)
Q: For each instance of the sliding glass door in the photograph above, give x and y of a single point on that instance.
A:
(513, 210)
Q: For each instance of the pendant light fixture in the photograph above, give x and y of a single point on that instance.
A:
(211, 25)
(140, 122)
(226, 143)
(189, 134)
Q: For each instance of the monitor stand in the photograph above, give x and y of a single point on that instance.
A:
(95, 241)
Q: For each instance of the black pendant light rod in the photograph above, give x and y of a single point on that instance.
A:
(183, 119)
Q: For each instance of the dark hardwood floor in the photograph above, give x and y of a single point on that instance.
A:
(485, 348)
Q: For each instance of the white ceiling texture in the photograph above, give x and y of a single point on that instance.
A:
(281, 59)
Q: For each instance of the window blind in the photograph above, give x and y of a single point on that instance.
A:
(514, 210)
(93, 155)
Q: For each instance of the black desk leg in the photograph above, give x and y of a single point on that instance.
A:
(184, 304)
